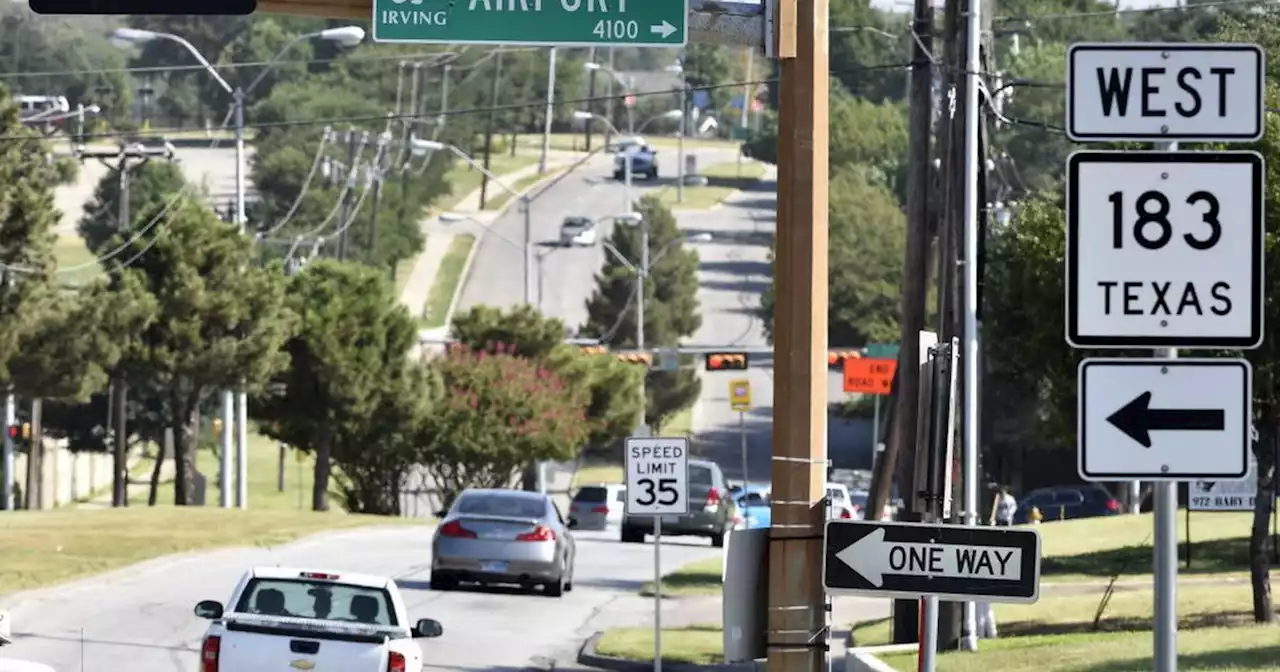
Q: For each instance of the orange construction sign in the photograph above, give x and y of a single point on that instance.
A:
(869, 376)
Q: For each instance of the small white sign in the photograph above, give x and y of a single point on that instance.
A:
(1165, 249)
(1165, 92)
(1164, 419)
(657, 476)
(1226, 495)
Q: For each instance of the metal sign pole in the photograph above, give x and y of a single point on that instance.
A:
(742, 435)
(1166, 554)
(657, 594)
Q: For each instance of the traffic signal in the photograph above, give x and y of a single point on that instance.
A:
(645, 358)
(726, 361)
(217, 426)
(20, 431)
(835, 358)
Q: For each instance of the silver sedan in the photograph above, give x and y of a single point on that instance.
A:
(503, 536)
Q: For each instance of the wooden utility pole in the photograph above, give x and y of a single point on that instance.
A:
(797, 601)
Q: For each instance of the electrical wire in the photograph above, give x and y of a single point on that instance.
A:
(1134, 10)
(371, 176)
(353, 174)
(306, 185)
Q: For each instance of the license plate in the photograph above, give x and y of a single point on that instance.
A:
(494, 567)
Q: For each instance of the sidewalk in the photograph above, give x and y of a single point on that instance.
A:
(439, 236)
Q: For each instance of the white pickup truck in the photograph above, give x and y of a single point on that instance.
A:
(281, 619)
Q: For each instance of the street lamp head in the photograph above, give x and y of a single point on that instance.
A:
(133, 35)
(580, 115)
(590, 66)
(671, 114)
(451, 218)
(347, 36)
(418, 146)
(675, 68)
(699, 238)
(630, 218)
(93, 109)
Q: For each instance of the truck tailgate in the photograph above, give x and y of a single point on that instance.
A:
(250, 645)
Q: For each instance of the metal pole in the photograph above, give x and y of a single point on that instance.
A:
(657, 594)
(641, 281)
(875, 433)
(444, 96)
(1165, 503)
(742, 436)
(224, 462)
(627, 158)
(928, 659)
(684, 125)
(238, 95)
(10, 419)
(591, 95)
(242, 448)
(969, 641)
(528, 249)
(551, 109)
(280, 469)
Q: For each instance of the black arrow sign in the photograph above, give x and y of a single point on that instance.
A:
(1137, 419)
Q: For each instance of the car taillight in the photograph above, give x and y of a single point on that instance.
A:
(846, 514)
(209, 653)
(713, 498)
(396, 662)
(320, 576)
(539, 533)
(455, 529)
(600, 509)
(1113, 505)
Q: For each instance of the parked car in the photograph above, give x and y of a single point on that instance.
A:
(577, 231)
(1066, 502)
(754, 506)
(503, 536)
(596, 507)
(306, 619)
(712, 512)
(644, 162)
(841, 504)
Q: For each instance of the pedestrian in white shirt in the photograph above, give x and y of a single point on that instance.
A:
(1006, 506)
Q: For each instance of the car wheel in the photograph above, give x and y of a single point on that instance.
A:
(441, 581)
(619, 176)
(631, 535)
(555, 588)
(717, 540)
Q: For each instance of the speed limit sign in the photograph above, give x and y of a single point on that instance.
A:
(657, 476)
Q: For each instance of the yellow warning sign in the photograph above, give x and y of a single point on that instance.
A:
(740, 395)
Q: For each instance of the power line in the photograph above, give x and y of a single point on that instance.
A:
(512, 107)
(1135, 10)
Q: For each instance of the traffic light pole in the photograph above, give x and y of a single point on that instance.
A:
(10, 419)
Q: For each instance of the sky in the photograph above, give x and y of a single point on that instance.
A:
(905, 5)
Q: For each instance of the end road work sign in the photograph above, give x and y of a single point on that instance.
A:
(553, 23)
(911, 560)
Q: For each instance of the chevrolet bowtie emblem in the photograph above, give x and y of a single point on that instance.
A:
(302, 664)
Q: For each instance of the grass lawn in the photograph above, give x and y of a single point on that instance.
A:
(465, 180)
(722, 182)
(732, 170)
(597, 473)
(703, 577)
(446, 281)
(1093, 549)
(696, 645)
(68, 251)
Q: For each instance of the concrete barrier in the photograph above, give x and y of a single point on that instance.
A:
(863, 659)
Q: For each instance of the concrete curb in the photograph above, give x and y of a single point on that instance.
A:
(862, 660)
(465, 276)
(587, 656)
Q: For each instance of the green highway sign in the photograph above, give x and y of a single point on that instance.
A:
(552, 23)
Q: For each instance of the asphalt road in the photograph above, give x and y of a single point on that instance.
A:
(140, 619)
(565, 276)
(212, 169)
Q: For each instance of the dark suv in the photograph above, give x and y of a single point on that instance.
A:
(712, 512)
(1066, 502)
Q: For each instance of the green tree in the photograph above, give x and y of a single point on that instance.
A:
(869, 50)
(867, 247)
(151, 184)
(348, 396)
(498, 413)
(670, 309)
(219, 323)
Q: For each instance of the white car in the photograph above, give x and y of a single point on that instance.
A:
(8, 664)
(577, 232)
(841, 505)
(279, 618)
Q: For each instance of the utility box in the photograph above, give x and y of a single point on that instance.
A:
(746, 595)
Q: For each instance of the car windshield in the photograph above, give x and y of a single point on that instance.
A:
(592, 494)
(837, 495)
(493, 504)
(754, 499)
(576, 224)
(320, 600)
(700, 475)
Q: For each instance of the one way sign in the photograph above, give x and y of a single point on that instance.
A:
(953, 562)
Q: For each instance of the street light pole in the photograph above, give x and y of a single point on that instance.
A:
(551, 109)
(527, 205)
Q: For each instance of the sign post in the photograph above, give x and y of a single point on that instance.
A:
(740, 401)
(561, 23)
(657, 485)
(1187, 228)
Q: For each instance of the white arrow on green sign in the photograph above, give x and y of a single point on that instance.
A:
(552, 23)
